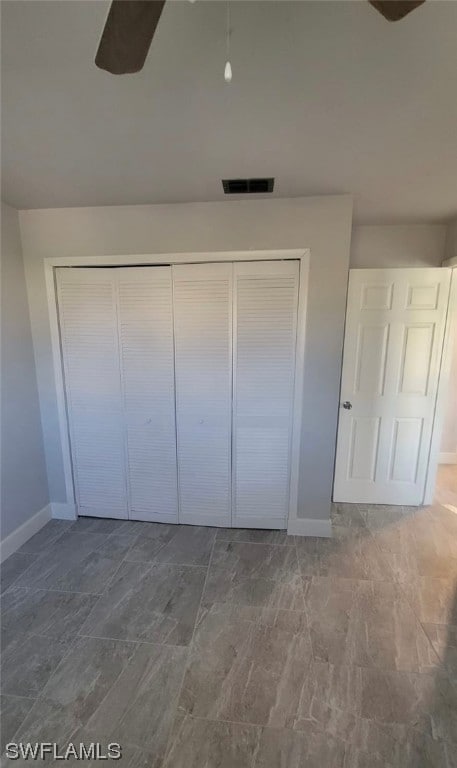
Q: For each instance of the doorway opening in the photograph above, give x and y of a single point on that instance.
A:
(446, 476)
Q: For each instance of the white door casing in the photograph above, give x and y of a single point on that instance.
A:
(203, 375)
(265, 323)
(395, 325)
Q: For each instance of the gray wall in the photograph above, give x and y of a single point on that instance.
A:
(24, 488)
(397, 245)
(451, 240)
(322, 224)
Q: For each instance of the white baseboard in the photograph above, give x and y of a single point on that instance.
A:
(306, 526)
(447, 458)
(17, 538)
(63, 511)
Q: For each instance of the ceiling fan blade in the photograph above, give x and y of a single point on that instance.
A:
(127, 35)
(394, 10)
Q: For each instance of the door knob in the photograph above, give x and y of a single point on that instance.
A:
(347, 405)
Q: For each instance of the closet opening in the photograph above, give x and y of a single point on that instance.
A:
(180, 385)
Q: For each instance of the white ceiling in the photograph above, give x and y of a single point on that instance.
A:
(327, 97)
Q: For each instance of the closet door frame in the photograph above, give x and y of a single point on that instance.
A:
(67, 510)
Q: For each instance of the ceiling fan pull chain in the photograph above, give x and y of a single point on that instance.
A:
(228, 66)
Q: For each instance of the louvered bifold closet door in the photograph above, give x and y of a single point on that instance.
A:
(203, 357)
(147, 366)
(88, 325)
(265, 318)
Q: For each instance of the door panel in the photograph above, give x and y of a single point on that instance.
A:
(405, 449)
(393, 341)
(87, 313)
(416, 359)
(265, 317)
(364, 448)
(203, 356)
(147, 368)
(371, 359)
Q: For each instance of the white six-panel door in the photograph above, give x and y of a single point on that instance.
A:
(203, 372)
(392, 351)
(265, 319)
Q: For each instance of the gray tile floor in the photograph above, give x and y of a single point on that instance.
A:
(215, 648)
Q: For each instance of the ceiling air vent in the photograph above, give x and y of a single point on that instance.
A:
(247, 186)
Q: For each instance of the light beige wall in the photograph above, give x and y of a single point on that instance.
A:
(24, 488)
(398, 245)
(322, 224)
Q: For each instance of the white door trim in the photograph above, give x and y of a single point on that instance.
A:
(303, 255)
(303, 280)
(443, 386)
